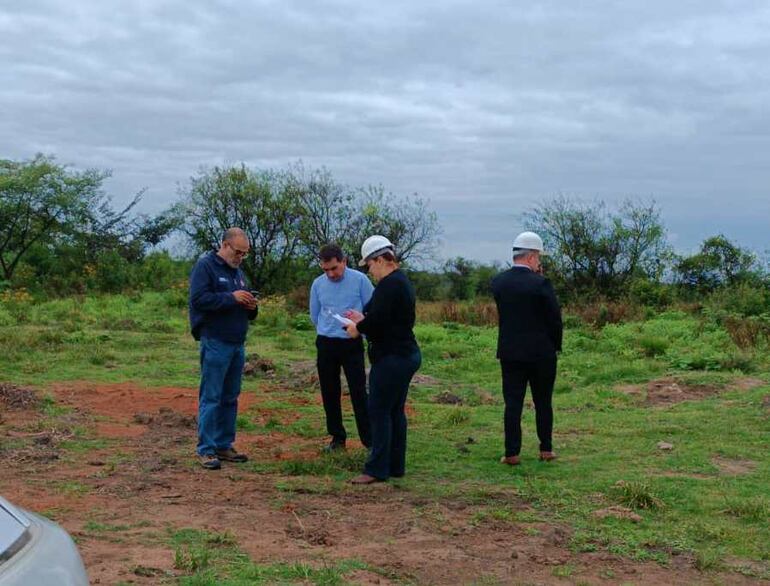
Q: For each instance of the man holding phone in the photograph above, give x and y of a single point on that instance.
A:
(337, 291)
(221, 307)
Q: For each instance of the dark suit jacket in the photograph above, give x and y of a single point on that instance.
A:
(529, 317)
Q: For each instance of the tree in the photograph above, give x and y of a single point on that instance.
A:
(40, 201)
(592, 250)
(333, 212)
(719, 262)
(406, 221)
(288, 215)
(462, 276)
(265, 204)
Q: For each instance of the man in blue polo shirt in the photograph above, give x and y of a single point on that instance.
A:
(338, 290)
(221, 307)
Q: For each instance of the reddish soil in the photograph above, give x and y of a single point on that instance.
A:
(669, 391)
(144, 484)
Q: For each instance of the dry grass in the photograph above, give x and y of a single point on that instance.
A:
(747, 332)
(474, 313)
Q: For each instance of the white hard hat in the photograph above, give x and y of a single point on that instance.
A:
(372, 246)
(529, 241)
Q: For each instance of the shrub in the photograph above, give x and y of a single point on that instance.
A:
(737, 361)
(653, 345)
(748, 332)
(744, 299)
(601, 313)
(6, 319)
(302, 322)
(650, 293)
(298, 299)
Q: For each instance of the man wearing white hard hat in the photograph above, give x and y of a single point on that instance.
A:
(529, 336)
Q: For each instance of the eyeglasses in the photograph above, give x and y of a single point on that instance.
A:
(238, 253)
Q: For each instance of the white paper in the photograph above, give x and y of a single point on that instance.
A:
(341, 319)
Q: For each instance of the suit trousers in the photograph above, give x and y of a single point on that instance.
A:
(346, 354)
(540, 375)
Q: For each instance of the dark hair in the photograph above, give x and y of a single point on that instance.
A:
(329, 252)
(389, 256)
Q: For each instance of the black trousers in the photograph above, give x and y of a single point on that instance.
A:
(346, 354)
(540, 375)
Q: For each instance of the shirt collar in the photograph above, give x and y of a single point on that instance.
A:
(521, 266)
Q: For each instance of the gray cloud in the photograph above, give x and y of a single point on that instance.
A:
(483, 107)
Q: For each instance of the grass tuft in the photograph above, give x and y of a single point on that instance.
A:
(636, 495)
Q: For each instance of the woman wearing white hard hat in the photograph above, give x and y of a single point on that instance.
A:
(388, 322)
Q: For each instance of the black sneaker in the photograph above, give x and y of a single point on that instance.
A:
(230, 455)
(334, 446)
(209, 461)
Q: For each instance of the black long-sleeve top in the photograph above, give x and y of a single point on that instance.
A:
(389, 317)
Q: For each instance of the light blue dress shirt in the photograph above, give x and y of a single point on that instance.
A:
(327, 297)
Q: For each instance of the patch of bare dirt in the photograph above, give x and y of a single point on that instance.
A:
(746, 384)
(166, 417)
(16, 398)
(447, 398)
(618, 512)
(256, 365)
(424, 379)
(301, 376)
(121, 501)
(733, 466)
(670, 391)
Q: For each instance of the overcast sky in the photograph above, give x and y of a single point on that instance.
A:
(482, 107)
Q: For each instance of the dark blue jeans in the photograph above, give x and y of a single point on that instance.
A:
(221, 371)
(389, 381)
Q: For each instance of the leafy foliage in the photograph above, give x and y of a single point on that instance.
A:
(718, 263)
(288, 215)
(594, 251)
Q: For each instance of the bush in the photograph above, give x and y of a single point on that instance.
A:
(298, 299)
(748, 332)
(743, 299)
(650, 293)
(602, 312)
(302, 322)
(6, 319)
(653, 345)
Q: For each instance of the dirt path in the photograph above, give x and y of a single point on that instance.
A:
(122, 497)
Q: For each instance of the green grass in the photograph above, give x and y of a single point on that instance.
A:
(214, 559)
(606, 438)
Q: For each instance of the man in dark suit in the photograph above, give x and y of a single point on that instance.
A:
(529, 336)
